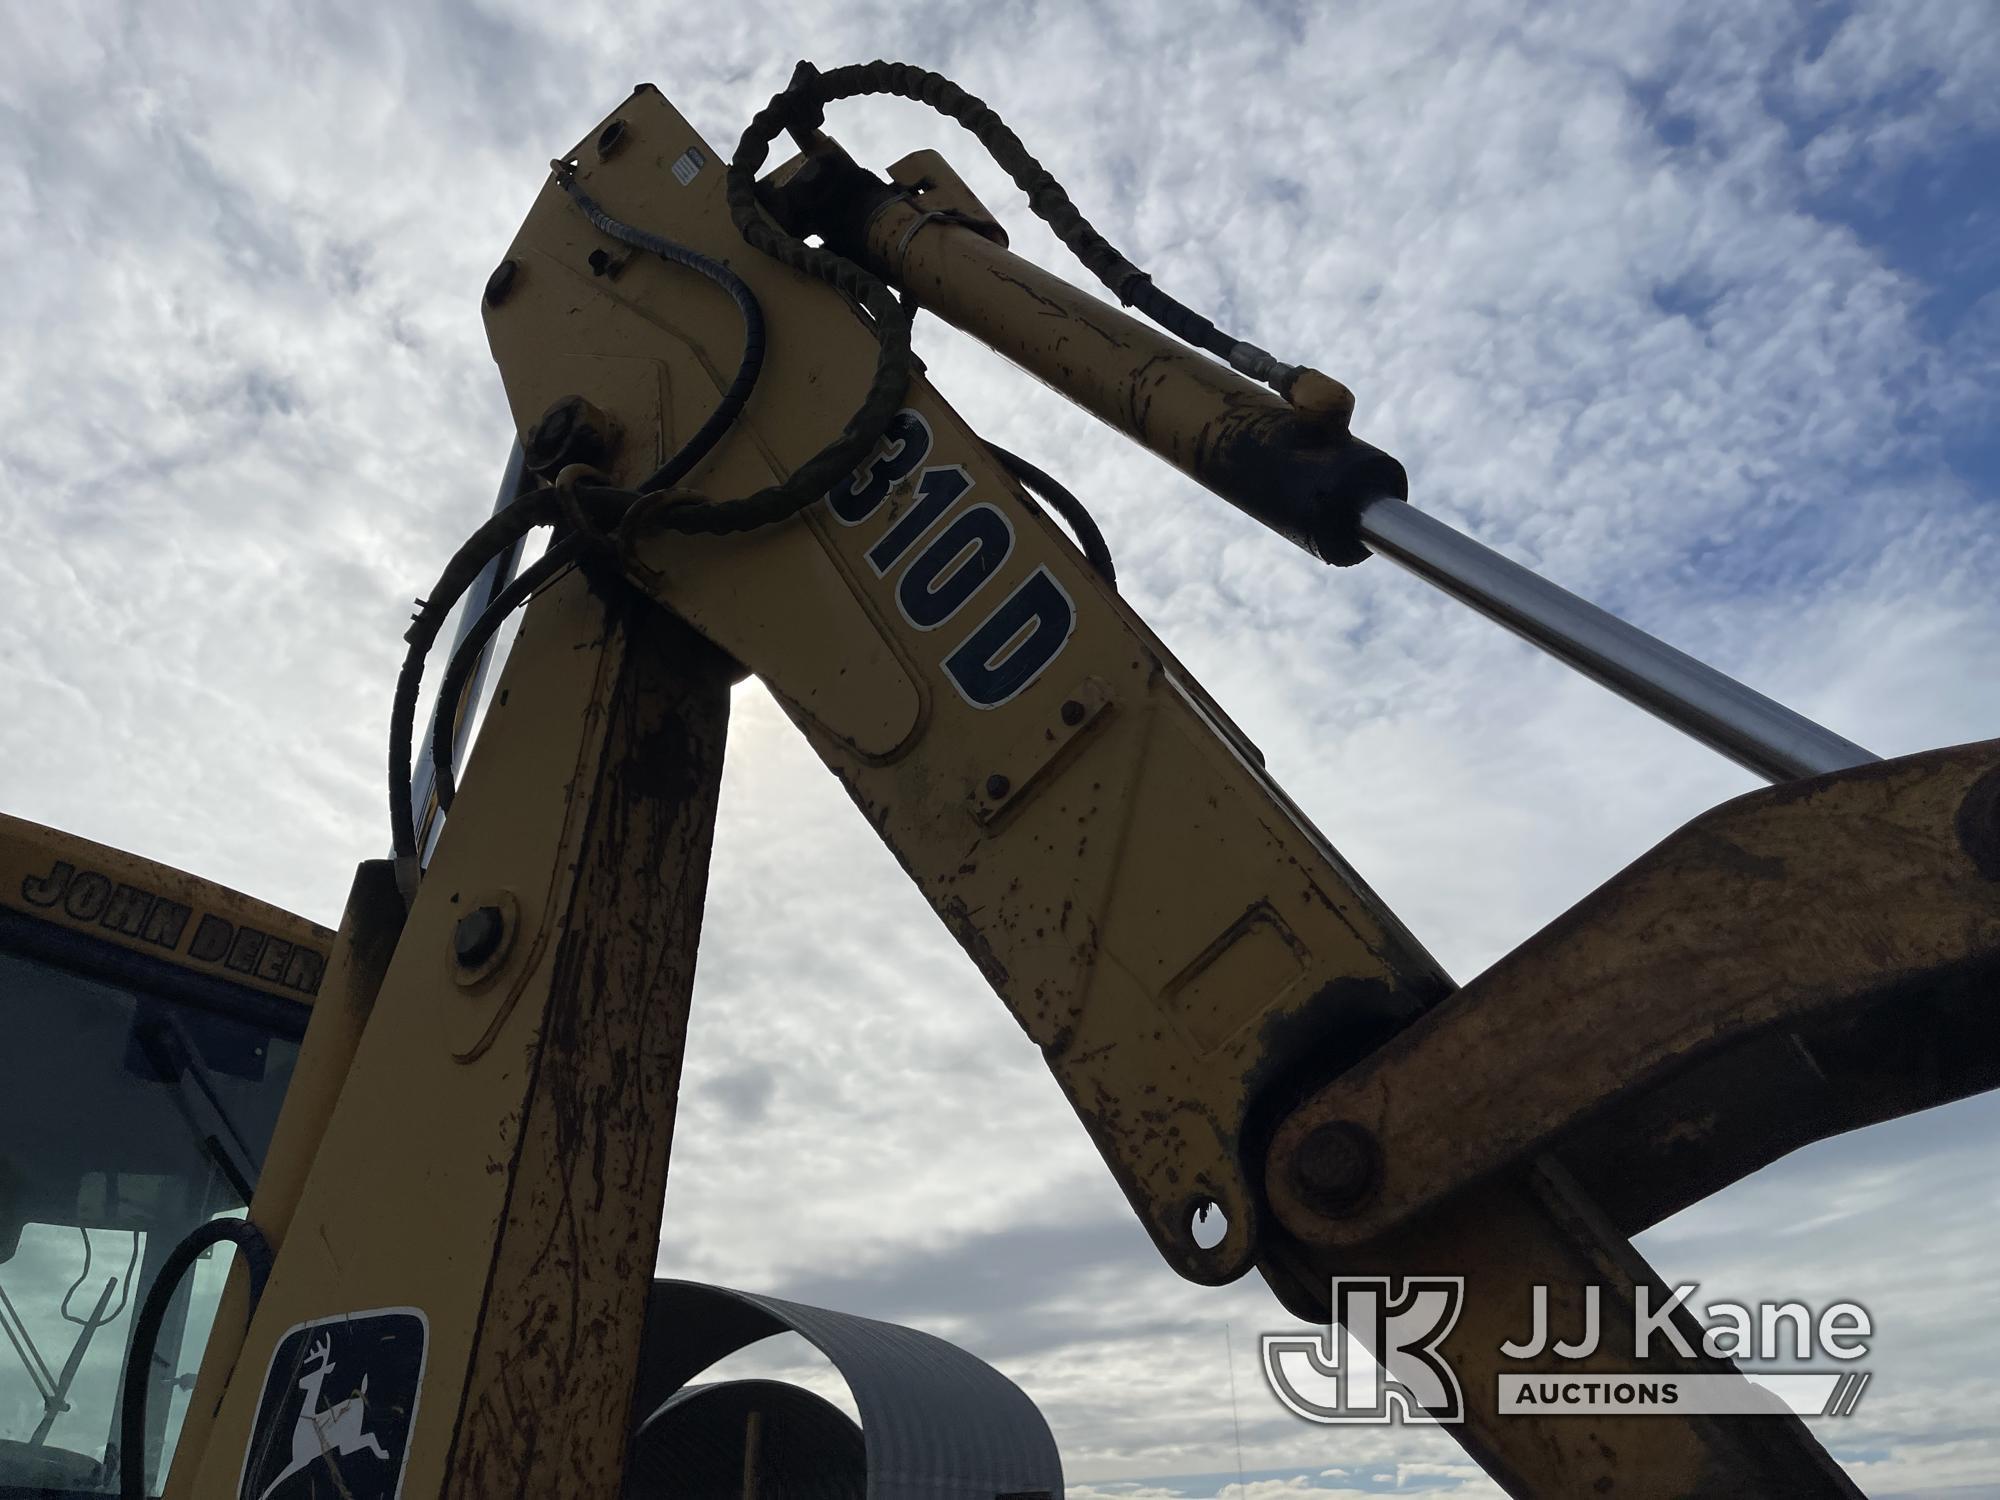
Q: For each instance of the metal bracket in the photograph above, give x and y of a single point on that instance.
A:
(1019, 767)
(937, 189)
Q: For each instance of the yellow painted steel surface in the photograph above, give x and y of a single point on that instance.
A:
(497, 1153)
(361, 951)
(1162, 921)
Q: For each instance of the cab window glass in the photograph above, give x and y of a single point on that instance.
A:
(126, 1120)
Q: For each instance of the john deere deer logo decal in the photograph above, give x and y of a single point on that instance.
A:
(331, 1431)
(337, 1408)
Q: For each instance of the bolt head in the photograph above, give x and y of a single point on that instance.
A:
(557, 423)
(1337, 1166)
(1072, 712)
(610, 138)
(477, 936)
(997, 785)
(570, 431)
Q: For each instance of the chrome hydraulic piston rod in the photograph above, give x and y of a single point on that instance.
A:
(1754, 731)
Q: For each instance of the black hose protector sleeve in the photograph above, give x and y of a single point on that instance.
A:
(688, 516)
(1305, 480)
(837, 460)
(602, 507)
(465, 660)
(1088, 538)
(255, 1253)
(804, 100)
(894, 365)
(730, 407)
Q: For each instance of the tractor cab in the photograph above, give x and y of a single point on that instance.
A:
(149, 1025)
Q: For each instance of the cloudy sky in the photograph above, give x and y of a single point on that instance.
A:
(1692, 306)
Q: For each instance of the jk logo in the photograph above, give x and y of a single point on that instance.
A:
(1378, 1359)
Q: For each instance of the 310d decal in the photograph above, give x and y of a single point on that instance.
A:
(948, 547)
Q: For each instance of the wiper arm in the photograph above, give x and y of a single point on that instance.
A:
(31, 1357)
(57, 1400)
